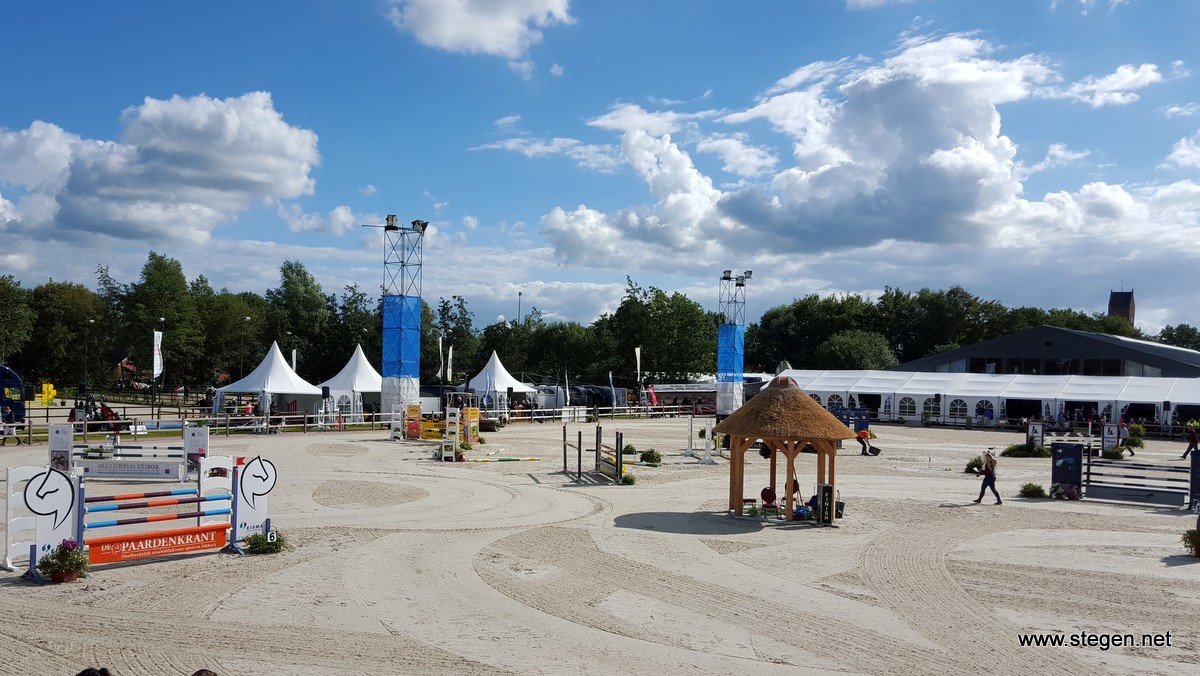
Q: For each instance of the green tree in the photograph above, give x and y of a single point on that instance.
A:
(1180, 335)
(114, 341)
(678, 339)
(855, 349)
(681, 341)
(897, 316)
(560, 349)
(455, 323)
(66, 334)
(16, 317)
(162, 300)
(299, 306)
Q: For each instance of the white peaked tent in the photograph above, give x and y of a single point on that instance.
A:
(493, 382)
(272, 376)
(355, 379)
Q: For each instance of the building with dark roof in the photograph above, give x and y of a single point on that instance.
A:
(1049, 350)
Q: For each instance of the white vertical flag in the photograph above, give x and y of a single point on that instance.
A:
(450, 364)
(637, 354)
(441, 357)
(158, 356)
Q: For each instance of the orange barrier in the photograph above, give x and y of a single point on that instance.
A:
(115, 548)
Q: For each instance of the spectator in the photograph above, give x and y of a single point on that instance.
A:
(1193, 439)
(8, 426)
(1123, 437)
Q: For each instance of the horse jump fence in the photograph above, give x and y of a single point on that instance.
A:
(1151, 483)
(243, 490)
(113, 460)
(610, 466)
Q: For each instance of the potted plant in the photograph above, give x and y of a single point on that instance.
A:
(65, 563)
(1191, 540)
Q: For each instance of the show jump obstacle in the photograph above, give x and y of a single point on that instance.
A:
(114, 460)
(45, 505)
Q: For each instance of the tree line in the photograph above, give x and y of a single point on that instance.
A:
(68, 334)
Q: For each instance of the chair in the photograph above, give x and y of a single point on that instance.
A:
(797, 496)
(770, 501)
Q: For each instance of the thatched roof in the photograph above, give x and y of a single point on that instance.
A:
(783, 411)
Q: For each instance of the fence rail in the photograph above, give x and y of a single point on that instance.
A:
(134, 420)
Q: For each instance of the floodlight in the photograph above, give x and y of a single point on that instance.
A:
(390, 225)
(727, 275)
(749, 274)
(740, 281)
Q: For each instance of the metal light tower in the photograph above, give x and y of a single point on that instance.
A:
(403, 251)
(731, 341)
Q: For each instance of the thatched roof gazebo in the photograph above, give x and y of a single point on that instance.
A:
(786, 419)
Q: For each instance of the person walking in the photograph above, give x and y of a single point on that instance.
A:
(1123, 437)
(9, 428)
(1193, 439)
(988, 472)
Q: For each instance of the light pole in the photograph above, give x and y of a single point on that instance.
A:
(519, 306)
(242, 350)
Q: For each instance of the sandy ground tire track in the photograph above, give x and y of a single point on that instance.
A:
(343, 493)
(335, 450)
(907, 569)
(1024, 588)
(204, 582)
(293, 649)
(589, 575)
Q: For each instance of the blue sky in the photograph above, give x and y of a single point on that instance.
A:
(1036, 152)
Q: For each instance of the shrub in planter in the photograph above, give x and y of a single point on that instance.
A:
(650, 455)
(466, 445)
(629, 450)
(974, 465)
(1032, 490)
(1191, 540)
(1113, 454)
(1135, 442)
(701, 433)
(1065, 491)
(628, 479)
(67, 562)
(1137, 431)
(257, 543)
(1026, 450)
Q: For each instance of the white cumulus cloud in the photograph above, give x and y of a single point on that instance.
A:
(505, 28)
(182, 167)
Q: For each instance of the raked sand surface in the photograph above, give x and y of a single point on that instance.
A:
(398, 564)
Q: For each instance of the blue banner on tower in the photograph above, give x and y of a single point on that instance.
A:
(401, 337)
(730, 352)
